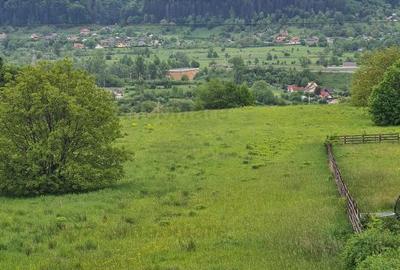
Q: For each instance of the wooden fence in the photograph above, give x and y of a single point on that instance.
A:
(352, 208)
(365, 138)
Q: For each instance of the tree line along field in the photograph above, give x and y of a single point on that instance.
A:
(286, 56)
(228, 189)
(372, 174)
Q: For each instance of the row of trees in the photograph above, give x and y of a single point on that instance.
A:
(31, 12)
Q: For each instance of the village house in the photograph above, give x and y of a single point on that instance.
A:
(311, 87)
(121, 45)
(85, 32)
(3, 36)
(295, 41)
(35, 37)
(108, 43)
(282, 37)
(98, 46)
(117, 92)
(79, 46)
(294, 88)
(179, 73)
(325, 94)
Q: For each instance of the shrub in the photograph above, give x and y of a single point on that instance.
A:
(262, 93)
(386, 261)
(369, 243)
(219, 95)
(385, 98)
(57, 131)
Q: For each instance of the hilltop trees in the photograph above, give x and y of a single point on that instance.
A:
(371, 72)
(57, 133)
(33, 12)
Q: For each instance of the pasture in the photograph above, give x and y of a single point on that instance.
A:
(231, 189)
(372, 173)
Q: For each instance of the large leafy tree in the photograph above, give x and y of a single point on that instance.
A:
(57, 133)
(373, 67)
(218, 94)
(385, 98)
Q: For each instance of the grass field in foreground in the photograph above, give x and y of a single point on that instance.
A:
(372, 173)
(232, 189)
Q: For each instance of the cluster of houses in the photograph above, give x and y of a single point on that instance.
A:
(103, 41)
(3, 36)
(312, 88)
(284, 38)
(392, 18)
(180, 73)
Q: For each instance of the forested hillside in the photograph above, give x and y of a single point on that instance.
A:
(33, 12)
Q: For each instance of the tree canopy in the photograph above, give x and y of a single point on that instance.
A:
(57, 133)
(32, 12)
(373, 67)
(218, 94)
(385, 98)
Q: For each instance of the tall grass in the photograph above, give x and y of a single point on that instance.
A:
(372, 173)
(233, 189)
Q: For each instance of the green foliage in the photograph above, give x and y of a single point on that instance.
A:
(263, 93)
(389, 260)
(189, 181)
(369, 174)
(372, 242)
(371, 72)
(219, 95)
(385, 98)
(57, 133)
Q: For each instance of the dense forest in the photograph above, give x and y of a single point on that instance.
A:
(35, 12)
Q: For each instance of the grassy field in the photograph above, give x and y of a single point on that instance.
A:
(372, 173)
(233, 189)
(288, 56)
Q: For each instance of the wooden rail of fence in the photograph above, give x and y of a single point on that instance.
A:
(352, 209)
(366, 138)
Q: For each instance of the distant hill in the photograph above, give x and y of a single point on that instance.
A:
(33, 12)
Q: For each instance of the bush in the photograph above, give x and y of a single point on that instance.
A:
(262, 93)
(180, 105)
(369, 243)
(57, 131)
(219, 95)
(388, 260)
(385, 98)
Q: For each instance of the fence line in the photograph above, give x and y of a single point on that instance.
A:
(366, 138)
(353, 211)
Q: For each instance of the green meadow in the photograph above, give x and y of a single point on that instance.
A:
(372, 173)
(231, 189)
